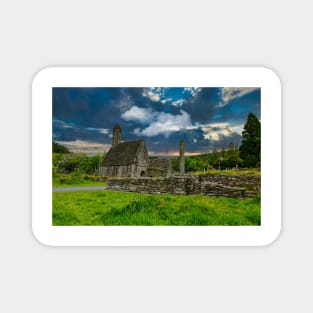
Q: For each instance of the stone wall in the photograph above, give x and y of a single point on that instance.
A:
(212, 185)
(251, 183)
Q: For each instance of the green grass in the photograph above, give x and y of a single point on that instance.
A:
(71, 180)
(250, 171)
(122, 208)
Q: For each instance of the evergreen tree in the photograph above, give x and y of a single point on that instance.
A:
(250, 149)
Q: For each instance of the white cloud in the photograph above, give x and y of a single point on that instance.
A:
(142, 115)
(159, 122)
(231, 93)
(212, 135)
(236, 128)
(218, 125)
(103, 131)
(62, 123)
(99, 130)
(192, 90)
(88, 147)
(158, 94)
(216, 131)
(178, 102)
(153, 94)
(166, 123)
(196, 91)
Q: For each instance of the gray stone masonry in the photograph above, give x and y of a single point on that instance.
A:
(213, 185)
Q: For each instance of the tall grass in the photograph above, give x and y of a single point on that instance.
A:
(118, 208)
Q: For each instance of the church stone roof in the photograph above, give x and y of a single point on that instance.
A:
(122, 154)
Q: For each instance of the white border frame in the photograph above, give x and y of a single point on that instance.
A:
(156, 235)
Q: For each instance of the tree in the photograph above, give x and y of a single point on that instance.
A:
(76, 162)
(232, 158)
(250, 149)
(57, 148)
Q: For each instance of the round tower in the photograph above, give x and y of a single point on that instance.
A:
(182, 157)
(117, 135)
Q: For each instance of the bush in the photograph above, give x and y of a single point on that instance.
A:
(76, 163)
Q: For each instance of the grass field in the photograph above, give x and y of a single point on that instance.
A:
(121, 208)
(71, 180)
(232, 172)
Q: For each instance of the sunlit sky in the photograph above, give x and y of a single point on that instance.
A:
(206, 118)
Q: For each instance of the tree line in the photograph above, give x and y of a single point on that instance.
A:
(228, 157)
(248, 155)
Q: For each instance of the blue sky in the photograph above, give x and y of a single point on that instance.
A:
(206, 118)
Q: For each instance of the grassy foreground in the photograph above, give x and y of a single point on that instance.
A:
(122, 208)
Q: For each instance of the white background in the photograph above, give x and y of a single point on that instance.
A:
(36, 34)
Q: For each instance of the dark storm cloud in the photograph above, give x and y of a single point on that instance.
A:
(102, 107)
(63, 131)
(96, 107)
(237, 110)
(89, 114)
(202, 105)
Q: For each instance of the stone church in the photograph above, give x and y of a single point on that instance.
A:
(131, 159)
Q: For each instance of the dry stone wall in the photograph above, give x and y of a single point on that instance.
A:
(213, 185)
(251, 183)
